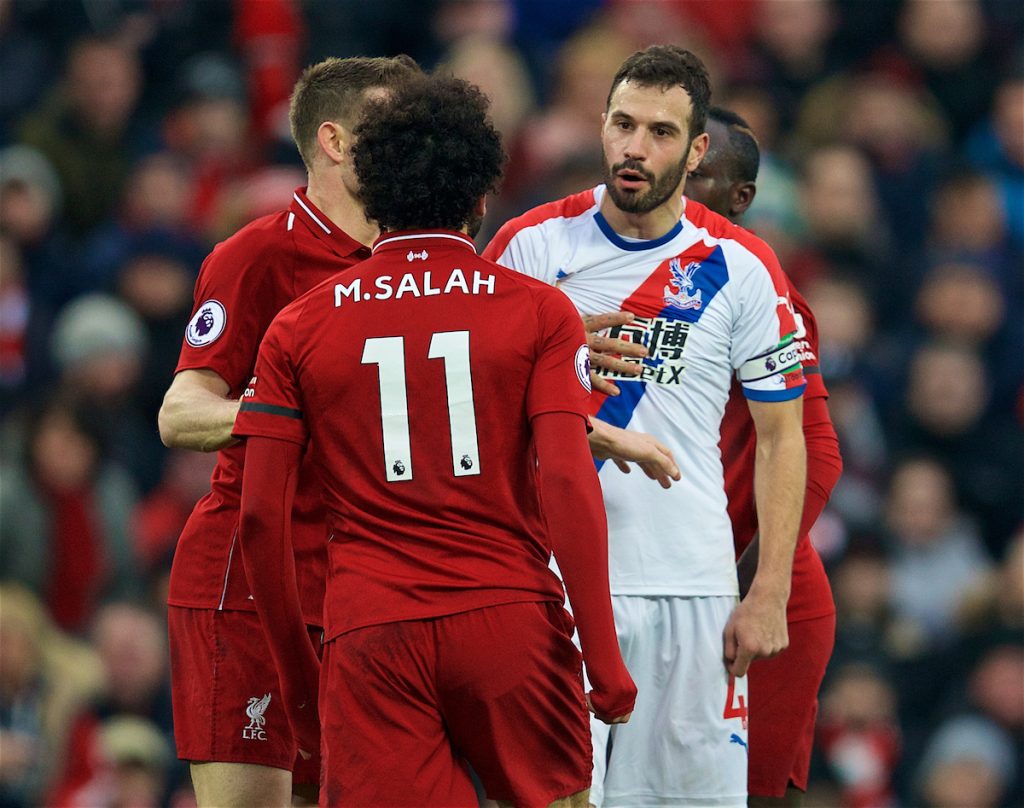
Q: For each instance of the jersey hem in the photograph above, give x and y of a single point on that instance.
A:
(648, 800)
(249, 608)
(669, 592)
(528, 597)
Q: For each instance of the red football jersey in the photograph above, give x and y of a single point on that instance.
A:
(415, 376)
(810, 595)
(243, 284)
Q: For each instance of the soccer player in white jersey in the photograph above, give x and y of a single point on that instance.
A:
(711, 302)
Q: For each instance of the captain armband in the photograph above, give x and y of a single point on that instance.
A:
(778, 361)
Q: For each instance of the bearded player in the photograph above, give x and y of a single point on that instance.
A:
(710, 303)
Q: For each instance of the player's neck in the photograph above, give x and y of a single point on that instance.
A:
(342, 208)
(650, 225)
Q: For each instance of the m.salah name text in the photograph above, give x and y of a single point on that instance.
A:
(416, 284)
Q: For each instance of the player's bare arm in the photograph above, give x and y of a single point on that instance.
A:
(579, 538)
(625, 446)
(196, 412)
(757, 627)
(605, 351)
(264, 536)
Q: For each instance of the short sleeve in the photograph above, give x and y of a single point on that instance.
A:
(560, 381)
(231, 312)
(764, 350)
(271, 404)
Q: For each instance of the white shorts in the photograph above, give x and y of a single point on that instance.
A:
(686, 743)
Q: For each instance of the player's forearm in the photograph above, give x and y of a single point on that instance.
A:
(824, 462)
(268, 490)
(197, 419)
(579, 536)
(601, 439)
(780, 468)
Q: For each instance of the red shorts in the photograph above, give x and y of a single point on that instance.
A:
(225, 694)
(404, 706)
(783, 694)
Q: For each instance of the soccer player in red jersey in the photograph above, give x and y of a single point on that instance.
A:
(784, 689)
(445, 401)
(228, 717)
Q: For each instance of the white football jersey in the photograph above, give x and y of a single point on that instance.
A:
(710, 300)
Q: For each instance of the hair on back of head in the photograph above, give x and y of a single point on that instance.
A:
(744, 151)
(666, 66)
(427, 154)
(335, 90)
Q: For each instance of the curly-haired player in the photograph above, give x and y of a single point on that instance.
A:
(445, 401)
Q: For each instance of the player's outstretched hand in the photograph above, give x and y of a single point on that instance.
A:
(756, 629)
(624, 446)
(605, 351)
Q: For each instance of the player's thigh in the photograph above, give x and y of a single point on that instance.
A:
(383, 739)
(686, 743)
(225, 693)
(240, 785)
(783, 708)
(511, 689)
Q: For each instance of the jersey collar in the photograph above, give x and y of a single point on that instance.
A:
(316, 220)
(419, 241)
(632, 245)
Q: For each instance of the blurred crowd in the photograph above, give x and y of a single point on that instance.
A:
(135, 134)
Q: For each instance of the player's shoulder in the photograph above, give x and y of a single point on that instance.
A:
(733, 238)
(800, 302)
(318, 299)
(542, 298)
(541, 218)
(806, 322)
(267, 239)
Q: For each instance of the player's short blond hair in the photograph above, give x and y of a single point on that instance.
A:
(334, 90)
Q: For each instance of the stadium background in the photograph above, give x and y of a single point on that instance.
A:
(134, 134)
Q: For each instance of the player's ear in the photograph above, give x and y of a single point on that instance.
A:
(334, 141)
(741, 196)
(698, 148)
(481, 207)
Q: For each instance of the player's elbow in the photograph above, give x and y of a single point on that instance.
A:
(559, 479)
(252, 523)
(574, 488)
(170, 435)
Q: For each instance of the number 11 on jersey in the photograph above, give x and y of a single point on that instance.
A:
(388, 354)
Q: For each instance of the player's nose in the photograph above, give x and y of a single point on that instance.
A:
(636, 145)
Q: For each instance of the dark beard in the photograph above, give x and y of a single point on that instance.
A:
(660, 190)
